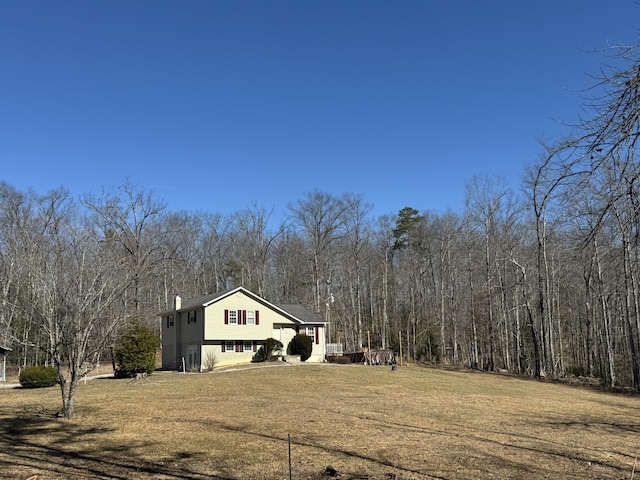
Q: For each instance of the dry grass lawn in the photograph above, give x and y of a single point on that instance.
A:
(366, 422)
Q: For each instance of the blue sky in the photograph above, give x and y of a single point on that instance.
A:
(218, 105)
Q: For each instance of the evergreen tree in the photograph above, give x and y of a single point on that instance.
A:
(301, 345)
(136, 350)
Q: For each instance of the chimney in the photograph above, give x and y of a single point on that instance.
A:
(177, 302)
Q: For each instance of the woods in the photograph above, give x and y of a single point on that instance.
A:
(539, 282)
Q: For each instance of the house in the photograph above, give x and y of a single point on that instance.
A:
(3, 363)
(228, 328)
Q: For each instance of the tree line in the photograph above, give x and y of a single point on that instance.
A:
(544, 281)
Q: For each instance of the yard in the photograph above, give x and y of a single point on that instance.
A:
(366, 422)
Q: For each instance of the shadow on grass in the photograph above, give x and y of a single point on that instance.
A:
(597, 425)
(334, 451)
(38, 441)
(551, 449)
(614, 427)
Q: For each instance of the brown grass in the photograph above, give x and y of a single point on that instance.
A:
(367, 422)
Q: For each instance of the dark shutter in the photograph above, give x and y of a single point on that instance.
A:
(317, 336)
(238, 346)
(244, 317)
(255, 346)
(226, 317)
(224, 346)
(257, 318)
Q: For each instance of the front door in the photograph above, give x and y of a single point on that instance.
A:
(192, 357)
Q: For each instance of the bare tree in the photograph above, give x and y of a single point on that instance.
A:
(483, 201)
(20, 241)
(214, 247)
(384, 241)
(253, 243)
(355, 215)
(449, 271)
(600, 155)
(81, 324)
(321, 217)
(125, 217)
(72, 288)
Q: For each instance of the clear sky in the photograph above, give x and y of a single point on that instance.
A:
(218, 105)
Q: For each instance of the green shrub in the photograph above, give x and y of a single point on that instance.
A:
(38, 377)
(268, 351)
(136, 351)
(301, 345)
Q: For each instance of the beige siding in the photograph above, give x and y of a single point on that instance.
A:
(216, 329)
(226, 358)
(284, 334)
(200, 343)
(318, 352)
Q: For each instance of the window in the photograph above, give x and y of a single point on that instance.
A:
(248, 346)
(313, 333)
(191, 316)
(229, 346)
(170, 321)
(241, 317)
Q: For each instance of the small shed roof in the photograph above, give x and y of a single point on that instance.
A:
(4, 349)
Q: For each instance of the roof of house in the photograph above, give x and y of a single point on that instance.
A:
(297, 313)
(302, 313)
(204, 300)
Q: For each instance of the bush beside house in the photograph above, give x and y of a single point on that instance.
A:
(300, 345)
(136, 351)
(268, 351)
